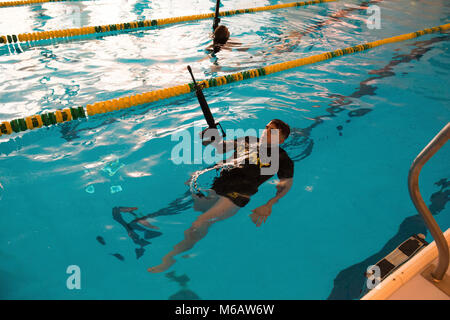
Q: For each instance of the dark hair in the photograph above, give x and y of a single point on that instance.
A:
(282, 126)
(221, 34)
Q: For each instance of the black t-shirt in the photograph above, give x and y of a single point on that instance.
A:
(246, 177)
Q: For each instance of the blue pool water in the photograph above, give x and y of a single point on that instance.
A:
(358, 122)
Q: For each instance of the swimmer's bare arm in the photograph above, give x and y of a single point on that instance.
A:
(225, 146)
(230, 45)
(261, 213)
(283, 187)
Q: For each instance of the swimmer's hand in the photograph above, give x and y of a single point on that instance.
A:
(210, 135)
(260, 214)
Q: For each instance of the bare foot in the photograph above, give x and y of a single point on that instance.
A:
(147, 224)
(167, 263)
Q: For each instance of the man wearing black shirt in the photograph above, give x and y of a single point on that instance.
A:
(239, 181)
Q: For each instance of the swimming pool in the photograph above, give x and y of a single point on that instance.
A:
(358, 121)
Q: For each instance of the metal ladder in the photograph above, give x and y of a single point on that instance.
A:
(437, 276)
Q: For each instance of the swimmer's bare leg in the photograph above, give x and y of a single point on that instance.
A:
(205, 202)
(222, 210)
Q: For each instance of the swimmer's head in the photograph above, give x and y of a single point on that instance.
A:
(276, 124)
(221, 35)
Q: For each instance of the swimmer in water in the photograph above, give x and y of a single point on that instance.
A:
(220, 37)
(221, 40)
(294, 38)
(238, 181)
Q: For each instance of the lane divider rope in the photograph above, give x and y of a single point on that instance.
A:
(69, 114)
(27, 2)
(65, 33)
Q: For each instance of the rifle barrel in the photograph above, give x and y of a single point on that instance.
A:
(216, 17)
(203, 104)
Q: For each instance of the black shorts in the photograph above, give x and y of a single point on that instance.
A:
(238, 199)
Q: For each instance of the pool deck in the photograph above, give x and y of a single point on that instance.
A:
(409, 283)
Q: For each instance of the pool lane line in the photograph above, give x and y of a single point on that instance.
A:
(65, 33)
(69, 114)
(30, 2)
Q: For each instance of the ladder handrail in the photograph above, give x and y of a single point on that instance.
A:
(413, 185)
